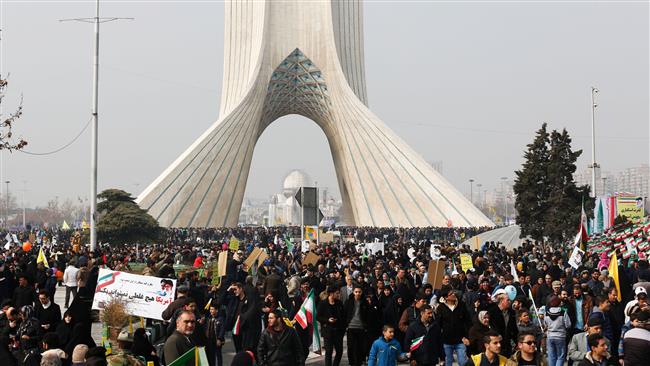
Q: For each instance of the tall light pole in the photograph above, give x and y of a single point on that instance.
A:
(96, 20)
(24, 189)
(471, 191)
(7, 208)
(505, 201)
(593, 165)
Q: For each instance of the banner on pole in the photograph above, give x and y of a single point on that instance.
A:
(144, 296)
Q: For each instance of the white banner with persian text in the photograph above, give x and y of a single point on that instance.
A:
(143, 296)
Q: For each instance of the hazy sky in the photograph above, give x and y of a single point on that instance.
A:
(467, 83)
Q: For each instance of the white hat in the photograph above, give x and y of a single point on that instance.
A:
(640, 290)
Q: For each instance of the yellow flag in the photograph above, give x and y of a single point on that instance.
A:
(65, 226)
(84, 225)
(613, 273)
(41, 258)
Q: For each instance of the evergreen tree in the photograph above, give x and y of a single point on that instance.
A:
(531, 187)
(565, 199)
(122, 221)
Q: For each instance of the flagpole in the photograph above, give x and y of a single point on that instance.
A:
(302, 217)
(317, 221)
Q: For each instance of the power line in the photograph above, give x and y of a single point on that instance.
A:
(62, 147)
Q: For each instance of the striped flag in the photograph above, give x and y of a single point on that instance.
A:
(307, 316)
(236, 329)
(416, 343)
(196, 356)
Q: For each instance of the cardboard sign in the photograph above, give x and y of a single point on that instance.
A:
(223, 263)
(261, 258)
(436, 273)
(311, 258)
(252, 257)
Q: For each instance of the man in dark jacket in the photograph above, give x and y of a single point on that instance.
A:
(423, 339)
(454, 322)
(279, 345)
(331, 315)
(24, 294)
(356, 311)
(503, 319)
(179, 342)
(47, 312)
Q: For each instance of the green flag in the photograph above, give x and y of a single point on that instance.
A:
(289, 244)
(186, 359)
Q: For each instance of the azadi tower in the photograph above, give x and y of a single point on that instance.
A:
(306, 58)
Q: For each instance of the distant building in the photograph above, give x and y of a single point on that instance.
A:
(631, 180)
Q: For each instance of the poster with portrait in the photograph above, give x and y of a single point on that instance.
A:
(144, 296)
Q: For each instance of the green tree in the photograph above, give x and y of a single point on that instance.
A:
(531, 187)
(565, 199)
(122, 221)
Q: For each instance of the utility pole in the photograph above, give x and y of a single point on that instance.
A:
(593, 165)
(471, 191)
(96, 20)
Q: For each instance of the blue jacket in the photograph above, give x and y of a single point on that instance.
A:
(384, 353)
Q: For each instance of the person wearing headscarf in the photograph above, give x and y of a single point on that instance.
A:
(64, 329)
(6, 357)
(478, 331)
(143, 348)
(80, 335)
(29, 330)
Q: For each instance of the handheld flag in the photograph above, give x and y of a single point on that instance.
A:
(289, 245)
(416, 343)
(41, 258)
(582, 237)
(234, 244)
(513, 271)
(613, 273)
(307, 316)
(65, 226)
(236, 329)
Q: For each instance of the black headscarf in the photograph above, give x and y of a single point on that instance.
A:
(80, 335)
(6, 357)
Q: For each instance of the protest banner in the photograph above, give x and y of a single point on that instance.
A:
(144, 296)
(466, 262)
(630, 207)
(261, 258)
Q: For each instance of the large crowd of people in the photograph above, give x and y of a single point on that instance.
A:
(513, 306)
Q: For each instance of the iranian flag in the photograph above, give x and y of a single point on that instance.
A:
(582, 237)
(307, 316)
(236, 329)
(416, 343)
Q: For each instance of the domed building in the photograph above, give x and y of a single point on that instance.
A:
(293, 181)
(284, 209)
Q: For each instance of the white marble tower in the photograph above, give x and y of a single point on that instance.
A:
(306, 58)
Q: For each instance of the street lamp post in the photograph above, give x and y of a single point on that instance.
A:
(505, 201)
(7, 208)
(593, 165)
(471, 190)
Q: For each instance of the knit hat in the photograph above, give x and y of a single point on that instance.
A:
(594, 322)
(79, 353)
